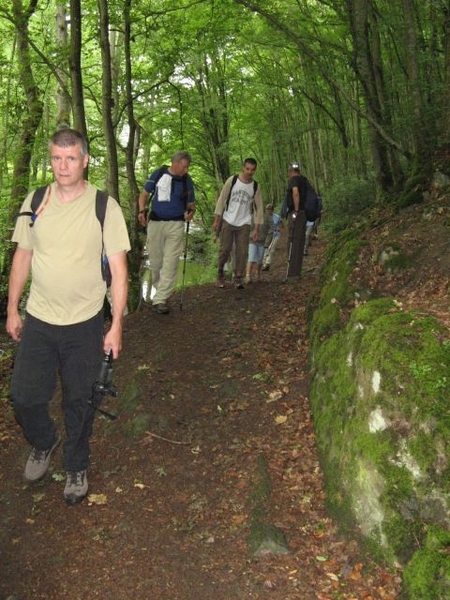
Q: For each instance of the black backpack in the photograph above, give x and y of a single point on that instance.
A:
(101, 200)
(311, 204)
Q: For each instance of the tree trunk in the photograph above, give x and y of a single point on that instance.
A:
(368, 66)
(27, 126)
(79, 115)
(112, 180)
(134, 257)
(62, 98)
(424, 132)
(33, 115)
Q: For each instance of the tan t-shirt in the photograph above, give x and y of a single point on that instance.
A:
(66, 239)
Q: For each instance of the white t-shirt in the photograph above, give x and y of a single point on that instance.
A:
(239, 210)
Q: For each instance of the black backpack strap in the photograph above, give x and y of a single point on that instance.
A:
(101, 201)
(185, 193)
(255, 187)
(38, 197)
(235, 178)
(36, 201)
(233, 181)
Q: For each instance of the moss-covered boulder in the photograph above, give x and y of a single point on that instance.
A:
(380, 398)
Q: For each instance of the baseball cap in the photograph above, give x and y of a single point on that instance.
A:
(269, 206)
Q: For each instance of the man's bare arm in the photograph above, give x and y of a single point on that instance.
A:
(20, 271)
(119, 294)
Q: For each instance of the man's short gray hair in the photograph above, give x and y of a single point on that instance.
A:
(182, 155)
(65, 138)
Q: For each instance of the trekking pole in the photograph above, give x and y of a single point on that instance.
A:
(184, 264)
(291, 236)
(288, 262)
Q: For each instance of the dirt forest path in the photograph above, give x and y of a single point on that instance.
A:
(222, 390)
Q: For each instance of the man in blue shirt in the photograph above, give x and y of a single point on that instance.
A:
(172, 204)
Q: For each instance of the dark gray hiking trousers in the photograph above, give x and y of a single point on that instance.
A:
(75, 352)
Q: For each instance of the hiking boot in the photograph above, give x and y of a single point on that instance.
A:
(220, 278)
(239, 283)
(39, 461)
(161, 309)
(266, 267)
(76, 487)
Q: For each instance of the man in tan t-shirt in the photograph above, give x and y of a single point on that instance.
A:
(63, 329)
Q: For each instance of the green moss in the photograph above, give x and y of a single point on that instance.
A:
(137, 426)
(131, 396)
(337, 293)
(413, 362)
(339, 266)
(423, 446)
(427, 576)
(412, 359)
(398, 262)
(404, 537)
(379, 395)
(367, 313)
(325, 322)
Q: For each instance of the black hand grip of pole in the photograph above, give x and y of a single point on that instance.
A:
(106, 371)
(104, 384)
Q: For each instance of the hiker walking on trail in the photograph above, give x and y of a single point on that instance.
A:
(272, 238)
(315, 234)
(256, 249)
(313, 212)
(170, 191)
(239, 199)
(61, 242)
(295, 201)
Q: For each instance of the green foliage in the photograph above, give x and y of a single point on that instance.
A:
(347, 201)
(229, 83)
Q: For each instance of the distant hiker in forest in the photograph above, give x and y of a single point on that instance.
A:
(272, 237)
(309, 228)
(256, 249)
(319, 218)
(170, 191)
(239, 199)
(60, 241)
(312, 223)
(295, 196)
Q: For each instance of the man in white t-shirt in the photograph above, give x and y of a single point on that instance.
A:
(239, 199)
